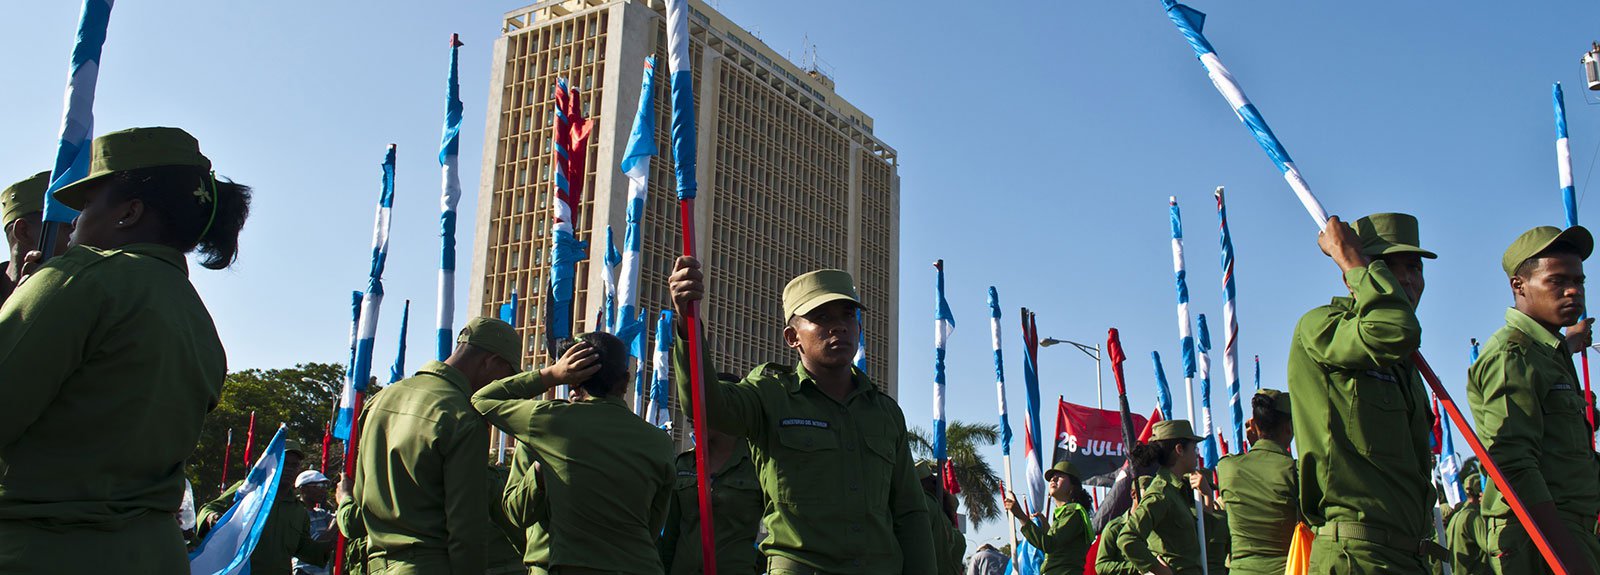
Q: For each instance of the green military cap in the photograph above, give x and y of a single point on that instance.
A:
(1390, 233)
(811, 290)
(23, 198)
(1280, 399)
(133, 149)
(494, 336)
(293, 445)
(1471, 481)
(1064, 468)
(1174, 429)
(1537, 240)
(924, 469)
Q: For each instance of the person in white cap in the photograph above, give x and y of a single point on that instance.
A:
(311, 487)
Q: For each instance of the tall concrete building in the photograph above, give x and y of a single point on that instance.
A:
(792, 178)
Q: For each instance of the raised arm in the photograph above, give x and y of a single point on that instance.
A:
(1382, 328)
(734, 409)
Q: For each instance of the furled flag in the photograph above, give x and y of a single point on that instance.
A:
(1230, 327)
(1208, 447)
(1435, 433)
(1450, 467)
(1000, 379)
(397, 372)
(1564, 167)
(355, 335)
(1163, 393)
(370, 302)
(943, 323)
(571, 143)
(658, 413)
(226, 549)
(449, 148)
(1028, 558)
(508, 310)
(1472, 356)
(1258, 373)
(636, 166)
(77, 117)
(860, 360)
(608, 311)
(1185, 336)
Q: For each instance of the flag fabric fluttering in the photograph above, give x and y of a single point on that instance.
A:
(1208, 447)
(943, 324)
(77, 117)
(397, 371)
(1028, 558)
(361, 368)
(1186, 343)
(636, 166)
(1570, 201)
(227, 547)
(608, 309)
(1449, 467)
(1163, 392)
(657, 413)
(450, 196)
(860, 360)
(1230, 327)
(571, 143)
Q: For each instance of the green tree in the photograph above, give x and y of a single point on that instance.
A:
(980, 485)
(301, 397)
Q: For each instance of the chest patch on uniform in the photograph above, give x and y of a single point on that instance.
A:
(802, 422)
(1562, 387)
(1382, 376)
(686, 473)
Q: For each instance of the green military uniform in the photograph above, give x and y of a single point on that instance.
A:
(503, 551)
(1162, 525)
(1259, 491)
(609, 474)
(948, 543)
(1361, 417)
(1466, 534)
(842, 497)
(1065, 540)
(20, 199)
(420, 476)
(1218, 542)
(1109, 559)
(1528, 403)
(736, 508)
(286, 535)
(527, 506)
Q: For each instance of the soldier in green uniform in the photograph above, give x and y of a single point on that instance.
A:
(948, 543)
(287, 533)
(1159, 536)
(1109, 559)
(830, 448)
(1218, 541)
(1528, 402)
(608, 474)
(1066, 538)
(109, 362)
(420, 471)
(1258, 489)
(1465, 534)
(504, 549)
(1361, 418)
(735, 505)
(21, 214)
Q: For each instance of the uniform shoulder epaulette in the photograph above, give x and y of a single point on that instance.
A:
(772, 369)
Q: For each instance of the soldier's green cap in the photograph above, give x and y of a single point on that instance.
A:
(1064, 468)
(1539, 239)
(811, 290)
(23, 198)
(1472, 481)
(1174, 429)
(1390, 233)
(924, 469)
(1280, 399)
(133, 149)
(293, 445)
(494, 336)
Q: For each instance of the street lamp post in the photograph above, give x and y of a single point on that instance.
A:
(1093, 351)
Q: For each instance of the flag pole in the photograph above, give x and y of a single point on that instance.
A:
(1188, 21)
(77, 120)
(227, 451)
(250, 436)
(943, 324)
(1186, 342)
(449, 197)
(684, 167)
(1230, 328)
(1114, 351)
(1570, 201)
(1000, 393)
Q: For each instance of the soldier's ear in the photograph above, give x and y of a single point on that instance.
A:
(1516, 286)
(791, 337)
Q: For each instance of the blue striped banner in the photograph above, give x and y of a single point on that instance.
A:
(449, 156)
(77, 118)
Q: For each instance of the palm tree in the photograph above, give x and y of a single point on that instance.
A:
(980, 484)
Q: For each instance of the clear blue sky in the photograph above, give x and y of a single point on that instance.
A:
(1057, 129)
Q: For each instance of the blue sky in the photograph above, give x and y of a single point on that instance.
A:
(1057, 130)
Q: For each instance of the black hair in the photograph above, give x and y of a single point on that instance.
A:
(613, 358)
(1159, 453)
(1080, 495)
(1264, 410)
(1525, 269)
(189, 222)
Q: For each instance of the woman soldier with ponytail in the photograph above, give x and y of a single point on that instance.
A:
(1066, 537)
(109, 362)
(1159, 536)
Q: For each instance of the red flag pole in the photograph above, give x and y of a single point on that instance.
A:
(349, 471)
(249, 438)
(327, 437)
(1115, 354)
(227, 450)
(697, 384)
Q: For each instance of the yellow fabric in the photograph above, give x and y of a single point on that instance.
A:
(1300, 550)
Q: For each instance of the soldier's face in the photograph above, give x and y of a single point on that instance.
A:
(1553, 293)
(1408, 269)
(1188, 458)
(826, 337)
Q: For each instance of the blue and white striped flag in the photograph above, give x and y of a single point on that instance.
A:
(571, 144)
(608, 271)
(860, 359)
(226, 549)
(636, 166)
(77, 117)
(1163, 392)
(508, 310)
(1208, 447)
(1185, 336)
(1258, 373)
(684, 162)
(1029, 558)
(355, 334)
(943, 323)
(397, 372)
(1472, 356)
(1230, 335)
(1564, 157)
(370, 303)
(1190, 22)
(658, 413)
(449, 148)
(999, 375)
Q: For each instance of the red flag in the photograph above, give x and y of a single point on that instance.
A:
(1222, 441)
(1150, 427)
(1436, 436)
(1092, 440)
(950, 483)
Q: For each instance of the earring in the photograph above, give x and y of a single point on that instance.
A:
(121, 222)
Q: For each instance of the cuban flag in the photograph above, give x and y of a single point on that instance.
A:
(571, 143)
(999, 374)
(77, 117)
(658, 413)
(361, 368)
(226, 549)
(943, 324)
(1028, 558)
(636, 166)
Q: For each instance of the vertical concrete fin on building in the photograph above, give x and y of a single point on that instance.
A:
(854, 239)
(486, 182)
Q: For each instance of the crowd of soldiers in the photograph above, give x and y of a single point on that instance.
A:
(109, 362)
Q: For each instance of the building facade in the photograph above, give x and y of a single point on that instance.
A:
(791, 177)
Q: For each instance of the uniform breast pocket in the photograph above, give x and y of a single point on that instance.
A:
(1379, 411)
(1566, 427)
(807, 461)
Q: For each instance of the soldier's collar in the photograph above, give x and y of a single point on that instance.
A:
(164, 253)
(1521, 322)
(450, 374)
(1269, 445)
(801, 376)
